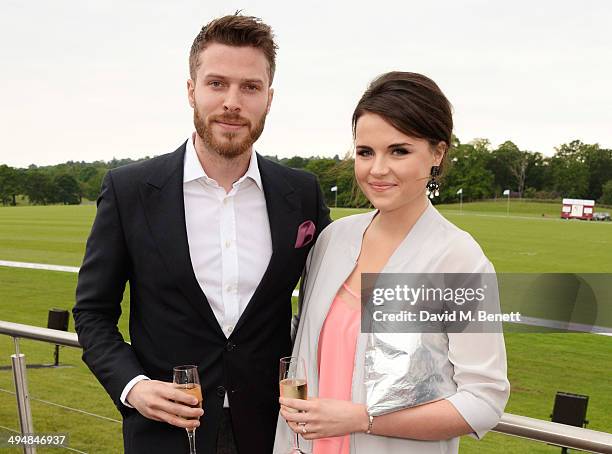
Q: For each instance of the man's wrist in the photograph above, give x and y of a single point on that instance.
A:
(128, 388)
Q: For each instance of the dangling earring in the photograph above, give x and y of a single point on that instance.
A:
(433, 187)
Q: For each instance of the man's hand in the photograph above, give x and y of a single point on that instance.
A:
(161, 401)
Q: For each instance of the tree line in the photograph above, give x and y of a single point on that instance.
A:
(576, 170)
(66, 183)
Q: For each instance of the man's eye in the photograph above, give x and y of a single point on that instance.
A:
(251, 87)
(215, 83)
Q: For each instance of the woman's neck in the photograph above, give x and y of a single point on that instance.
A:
(397, 223)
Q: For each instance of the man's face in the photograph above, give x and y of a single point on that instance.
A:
(230, 98)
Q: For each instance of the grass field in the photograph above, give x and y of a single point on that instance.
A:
(538, 364)
(517, 207)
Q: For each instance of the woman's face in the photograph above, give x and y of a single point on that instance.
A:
(391, 167)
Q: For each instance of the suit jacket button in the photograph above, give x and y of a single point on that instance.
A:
(229, 346)
(220, 391)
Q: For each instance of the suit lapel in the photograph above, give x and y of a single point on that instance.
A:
(162, 196)
(284, 210)
(282, 205)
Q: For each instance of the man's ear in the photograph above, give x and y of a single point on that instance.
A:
(270, 97)
(190, 92)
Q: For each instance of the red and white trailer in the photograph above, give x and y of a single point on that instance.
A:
(577, 209)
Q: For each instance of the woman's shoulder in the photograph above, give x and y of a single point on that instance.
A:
(460, 249)
(450, 230)
(341, 233)
(347, 224)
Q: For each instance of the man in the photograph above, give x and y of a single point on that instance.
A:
(212, 239)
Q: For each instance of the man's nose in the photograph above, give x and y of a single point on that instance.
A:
(232, 100)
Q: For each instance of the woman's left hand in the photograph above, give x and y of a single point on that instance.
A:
(322, 418)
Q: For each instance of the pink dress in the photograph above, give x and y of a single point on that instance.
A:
(337, 343)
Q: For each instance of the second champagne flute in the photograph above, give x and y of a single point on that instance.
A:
(293, 384)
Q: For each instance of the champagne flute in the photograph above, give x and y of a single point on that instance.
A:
(186, 379)
(293, 384)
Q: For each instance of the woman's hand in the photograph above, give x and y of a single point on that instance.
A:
(322, 418)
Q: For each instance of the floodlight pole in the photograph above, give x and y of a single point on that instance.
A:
(461, 203)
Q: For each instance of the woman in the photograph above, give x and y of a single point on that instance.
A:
(402, 128)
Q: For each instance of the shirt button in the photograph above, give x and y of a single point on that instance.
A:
(228, 289)
(230, 329)
(225, 201)
(228, 243)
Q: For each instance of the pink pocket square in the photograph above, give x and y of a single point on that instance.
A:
(305, 234)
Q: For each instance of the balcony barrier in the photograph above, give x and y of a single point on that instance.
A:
(515, 425)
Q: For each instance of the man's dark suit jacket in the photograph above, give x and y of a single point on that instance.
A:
(139, 236)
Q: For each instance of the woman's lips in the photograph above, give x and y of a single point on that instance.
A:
(381, 187)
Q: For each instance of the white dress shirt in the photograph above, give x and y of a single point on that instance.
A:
(229, 240)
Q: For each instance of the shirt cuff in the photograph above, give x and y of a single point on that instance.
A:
(477, 413)
(129, 387)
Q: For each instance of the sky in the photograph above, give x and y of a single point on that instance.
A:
(93, 80)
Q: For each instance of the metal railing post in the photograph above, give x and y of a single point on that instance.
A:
(22, 395)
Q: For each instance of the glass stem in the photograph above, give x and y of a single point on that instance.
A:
(297, 443)
(191, 436)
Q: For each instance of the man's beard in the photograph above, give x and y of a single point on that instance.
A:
(231, 147)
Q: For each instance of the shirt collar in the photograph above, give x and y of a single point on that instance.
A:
(193, 169)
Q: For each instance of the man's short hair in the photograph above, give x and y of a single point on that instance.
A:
(235, 30)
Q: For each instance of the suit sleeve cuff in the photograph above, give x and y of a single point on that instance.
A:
(477, 413)
(129, 387)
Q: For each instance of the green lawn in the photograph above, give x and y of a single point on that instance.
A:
(540, 245)
(538, 364)
(45, 234)
(517, 207)
(521, 207)
(526, 242)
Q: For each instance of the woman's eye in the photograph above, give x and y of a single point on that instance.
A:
(364, 153)
(400, 151)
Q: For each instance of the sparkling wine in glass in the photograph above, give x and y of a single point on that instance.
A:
(186, 379)
(293, 384)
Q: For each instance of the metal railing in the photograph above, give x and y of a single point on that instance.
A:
(18, 331)
(555, 433)
(515, 425)
(52, 336)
